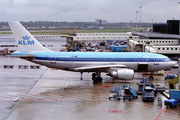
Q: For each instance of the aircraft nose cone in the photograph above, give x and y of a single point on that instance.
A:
(173, 63)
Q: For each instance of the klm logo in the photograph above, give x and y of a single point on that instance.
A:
(26, 41)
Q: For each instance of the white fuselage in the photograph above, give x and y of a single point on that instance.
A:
(71, 60)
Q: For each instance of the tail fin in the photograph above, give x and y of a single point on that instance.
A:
(26, 42)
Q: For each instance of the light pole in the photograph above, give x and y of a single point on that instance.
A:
(179, 59)
(179, 19)
(136, 19)
(140, 16)
(152, 23)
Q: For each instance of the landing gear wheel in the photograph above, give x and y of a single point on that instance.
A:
(94, 75)
(99, 79)
(151, 78)
(96, 78)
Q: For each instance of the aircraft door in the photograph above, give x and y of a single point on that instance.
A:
(154, 64)
(142, 66)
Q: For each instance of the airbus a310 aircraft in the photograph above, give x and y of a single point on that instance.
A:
(119, 65)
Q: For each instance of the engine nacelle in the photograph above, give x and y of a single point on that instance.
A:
(124, 74)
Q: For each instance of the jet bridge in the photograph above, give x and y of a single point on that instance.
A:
(135, 46)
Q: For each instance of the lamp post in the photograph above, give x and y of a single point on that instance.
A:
(136, 19)
(179, 59)
(140, 16)
(152, 22)
(179, 19)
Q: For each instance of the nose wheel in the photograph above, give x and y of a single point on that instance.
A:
(151, 76)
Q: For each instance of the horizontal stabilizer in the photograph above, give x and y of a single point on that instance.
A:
(28, 57)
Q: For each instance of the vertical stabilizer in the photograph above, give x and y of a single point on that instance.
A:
(25, 41)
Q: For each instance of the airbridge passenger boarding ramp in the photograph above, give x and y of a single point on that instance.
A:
(162, 46)
(134, 46)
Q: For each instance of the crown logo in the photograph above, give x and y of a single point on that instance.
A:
(26, 37)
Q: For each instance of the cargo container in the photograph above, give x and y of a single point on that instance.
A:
(115, 48)
(174, 94)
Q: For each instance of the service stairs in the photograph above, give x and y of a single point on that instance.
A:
(116, 90)
(132, 90)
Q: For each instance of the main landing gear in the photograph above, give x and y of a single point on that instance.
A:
(96, 77)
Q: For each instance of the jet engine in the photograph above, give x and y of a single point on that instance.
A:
(124, 74)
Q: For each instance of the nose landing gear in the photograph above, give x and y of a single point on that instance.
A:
(151, 76)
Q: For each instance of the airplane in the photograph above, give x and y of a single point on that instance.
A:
(121, 65)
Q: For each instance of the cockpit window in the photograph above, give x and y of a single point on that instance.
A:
(167, 59)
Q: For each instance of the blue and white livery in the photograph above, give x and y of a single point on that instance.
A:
(120, 65)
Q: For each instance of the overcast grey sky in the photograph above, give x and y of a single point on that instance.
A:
(88, 10)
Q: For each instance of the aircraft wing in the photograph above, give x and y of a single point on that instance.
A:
(93, 67)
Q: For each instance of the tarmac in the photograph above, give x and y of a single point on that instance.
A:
(50, 94)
